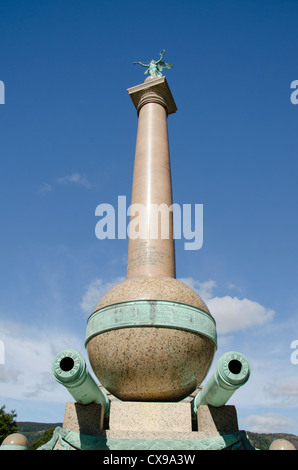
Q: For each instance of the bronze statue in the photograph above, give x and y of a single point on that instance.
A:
(155, 66)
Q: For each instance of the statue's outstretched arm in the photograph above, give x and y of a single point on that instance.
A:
(140, 63)
(161, 56)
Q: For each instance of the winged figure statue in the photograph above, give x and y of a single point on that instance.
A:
(154, 68)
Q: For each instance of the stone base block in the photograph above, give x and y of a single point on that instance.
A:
(221, 420)
(84, 419)
(150, 425)
(150, 417)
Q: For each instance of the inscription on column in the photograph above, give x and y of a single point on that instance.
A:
(147, 255)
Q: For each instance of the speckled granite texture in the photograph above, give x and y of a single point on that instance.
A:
(152, 288)
(157, 417)
(150, 364)
(222, 420)
(84, 419)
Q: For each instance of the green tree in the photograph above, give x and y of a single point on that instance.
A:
(7, 423)
(47, 436)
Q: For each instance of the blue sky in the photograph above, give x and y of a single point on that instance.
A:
(67, 140)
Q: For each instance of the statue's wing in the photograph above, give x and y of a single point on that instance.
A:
(164, 65)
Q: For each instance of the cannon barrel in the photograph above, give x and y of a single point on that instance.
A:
(69, 369)
(231, 372)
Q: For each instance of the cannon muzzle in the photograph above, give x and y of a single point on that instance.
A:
(69, 369)
(231, 372)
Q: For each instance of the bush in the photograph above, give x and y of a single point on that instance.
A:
(7, 423)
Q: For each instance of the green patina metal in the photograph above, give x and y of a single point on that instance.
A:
(69, 369)
(13, 447)
(154, 68)
(231, 372)
(154, 313)
(70, 440)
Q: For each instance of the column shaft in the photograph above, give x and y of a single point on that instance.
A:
(152, 252)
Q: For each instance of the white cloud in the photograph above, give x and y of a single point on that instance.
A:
(283, 393)
(285, 389)
(230, 313)
(29, 352)
(234, 314)
(95, 291)
(45, 188)
(74, 178)
(204, 289)
(268, 423)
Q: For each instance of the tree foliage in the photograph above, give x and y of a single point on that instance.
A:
(262, 441)
(7, 423)
(47, 436)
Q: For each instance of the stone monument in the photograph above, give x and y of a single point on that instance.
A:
(151, 339)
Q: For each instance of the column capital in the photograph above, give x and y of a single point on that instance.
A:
(153, 90)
